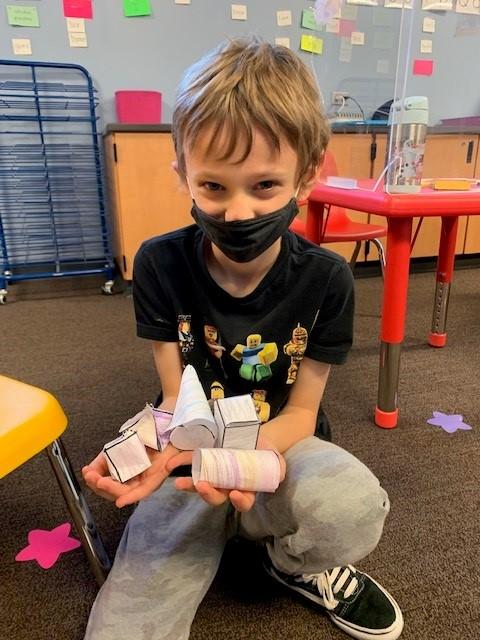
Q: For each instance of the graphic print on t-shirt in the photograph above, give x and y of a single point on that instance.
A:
(296, 350)
(212, 341)
(255, 357)
(185, 337)
(262, 408)
(217, 392)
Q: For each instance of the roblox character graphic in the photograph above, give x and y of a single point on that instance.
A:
(262, 408)
(217, 392)
(185, 337)
(296, 350)
(211, 340)
(256, 357)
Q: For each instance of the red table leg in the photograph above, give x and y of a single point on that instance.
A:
(445, 264)
(393, 319)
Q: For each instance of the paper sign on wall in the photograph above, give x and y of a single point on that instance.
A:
(370, 3)
(239, 12)
(136, 8)
(284, 18)
(358, 38)
(426, 46)
(283, 42)
(468, 6)
(77, 39)
(346, 27)
(383, 66)
(333, 26)
(78, 9)
(437, 5)
(345, 55)
(422, 67)
(183, 1)
(311, 44)
(21, 46)
(309, 21)
(19, 16)
(429, 25)
(398, 4)
(75, 25)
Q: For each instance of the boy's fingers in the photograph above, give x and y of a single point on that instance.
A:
(185, 484)
(147, 486)
(242, 500)
(214, 497)
(178, 460)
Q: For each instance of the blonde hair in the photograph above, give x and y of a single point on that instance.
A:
(244, 84)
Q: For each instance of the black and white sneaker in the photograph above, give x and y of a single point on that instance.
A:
(353, 600)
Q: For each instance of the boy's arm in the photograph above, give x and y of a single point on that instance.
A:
(298, 418)
(169, 368)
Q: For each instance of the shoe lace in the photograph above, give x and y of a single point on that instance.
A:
(332, 582)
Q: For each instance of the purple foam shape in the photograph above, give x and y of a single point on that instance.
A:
(449, 422)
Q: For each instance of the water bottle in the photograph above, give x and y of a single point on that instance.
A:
(407, 131)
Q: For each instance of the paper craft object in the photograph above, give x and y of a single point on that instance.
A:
(237, 422)
(193, 424)
(126, 456)
(257, 470)
(233, 423)
(143, 423)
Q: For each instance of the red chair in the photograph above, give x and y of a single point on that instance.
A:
(338, 227)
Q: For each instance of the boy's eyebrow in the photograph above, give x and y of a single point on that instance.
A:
(215, 176)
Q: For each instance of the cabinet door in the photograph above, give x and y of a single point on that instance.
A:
(472, 235)
(446, 156)
(352, 156)
(149, 199)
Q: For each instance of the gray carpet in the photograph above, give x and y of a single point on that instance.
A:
(81, 346)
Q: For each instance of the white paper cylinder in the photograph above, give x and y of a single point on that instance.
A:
(257, 470)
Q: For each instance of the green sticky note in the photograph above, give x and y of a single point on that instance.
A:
(133, 8)
(19, 16)
(309, 22)
(312, 44)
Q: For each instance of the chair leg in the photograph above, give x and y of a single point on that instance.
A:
(353, 259)
(79, 510)
(381, 254)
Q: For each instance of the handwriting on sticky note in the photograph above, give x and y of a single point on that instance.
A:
(429, 25)
(77, 39)
(75, 25)
(284, 18)
(19, 16)
(21, 46)
(422, 67)
(309, 21)
(78, 9)
(426, 46)
(311, 44)
(239, 12)
(136, 8)
(358, 38)
(283, 42)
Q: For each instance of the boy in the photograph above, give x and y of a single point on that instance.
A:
(249, 135)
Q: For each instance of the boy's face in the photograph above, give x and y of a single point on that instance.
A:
(233, 190)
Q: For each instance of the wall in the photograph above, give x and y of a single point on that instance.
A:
(151, 52)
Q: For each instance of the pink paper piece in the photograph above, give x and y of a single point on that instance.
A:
(449, 422)
(347, 27)
(422, 67)
(78, 9)
(45, 546)
(325, 9)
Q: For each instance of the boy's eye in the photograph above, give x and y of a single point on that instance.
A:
(212, 186)
(265, 185)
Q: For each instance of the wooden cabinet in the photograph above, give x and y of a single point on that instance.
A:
(144, 194)
(472, 235)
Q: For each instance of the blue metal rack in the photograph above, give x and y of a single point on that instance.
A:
(52, 208)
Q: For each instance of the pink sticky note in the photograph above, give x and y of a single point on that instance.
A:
(347, 27)
(45, 546)
(422, 67)
(78, 9)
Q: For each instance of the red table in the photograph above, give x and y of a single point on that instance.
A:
(400, 209)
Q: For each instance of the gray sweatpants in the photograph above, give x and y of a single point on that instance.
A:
(329, 511)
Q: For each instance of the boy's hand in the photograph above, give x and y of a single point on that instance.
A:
(241, 500)
(96, 476)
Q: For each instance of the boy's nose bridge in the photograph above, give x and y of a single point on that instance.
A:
(239, 208)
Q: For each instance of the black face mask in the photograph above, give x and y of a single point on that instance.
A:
(245, 240)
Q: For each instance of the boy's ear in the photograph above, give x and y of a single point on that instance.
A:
(174, 166)
(309, 182)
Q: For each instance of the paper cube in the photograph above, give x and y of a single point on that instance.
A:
(126, 456)
(237, 421)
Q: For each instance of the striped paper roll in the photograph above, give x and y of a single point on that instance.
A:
(247, 470)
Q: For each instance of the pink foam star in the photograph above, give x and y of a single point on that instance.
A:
(46, 546)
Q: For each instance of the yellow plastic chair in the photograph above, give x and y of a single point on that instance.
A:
(32, 420)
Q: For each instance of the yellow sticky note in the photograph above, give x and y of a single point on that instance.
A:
(77, 39)
(239, 11)
(426, 46)
(76, 25)
(284, 42)
(429, 25)
(311, 44)
(22, 46)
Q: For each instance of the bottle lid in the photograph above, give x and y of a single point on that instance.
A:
(410, 110)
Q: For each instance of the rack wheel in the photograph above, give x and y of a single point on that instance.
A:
(107, 288)
(3, 297)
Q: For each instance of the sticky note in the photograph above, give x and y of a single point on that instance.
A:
(284, 42)
(20, 16)
(284, 18)
(311, 44)
(468, 6)
(398, 4)
(437, 5)
(429, 25)
(75, 25)
(239, 12)
(21, 46)
(135, 8)
(422, 67)
(345, 43)
(333, 26)
(78, 9)
(346, 27)
(383, 66)
(183, 1)
(358, 38)
(345, 55)
(308, 20)
(77, 39)
(426, 46)
(383, 39)
(369, 3)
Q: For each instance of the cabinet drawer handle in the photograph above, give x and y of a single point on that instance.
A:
(470, 152)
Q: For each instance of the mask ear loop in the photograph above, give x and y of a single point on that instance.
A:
(189, 189)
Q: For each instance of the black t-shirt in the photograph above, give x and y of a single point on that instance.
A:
(255, 344)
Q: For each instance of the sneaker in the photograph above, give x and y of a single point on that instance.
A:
(353, 600)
